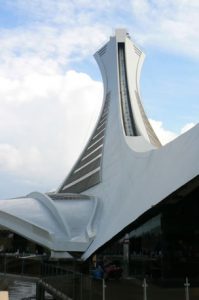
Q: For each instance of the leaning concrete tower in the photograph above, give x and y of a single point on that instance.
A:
(122, 118)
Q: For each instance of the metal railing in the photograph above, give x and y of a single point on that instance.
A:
(65, 284)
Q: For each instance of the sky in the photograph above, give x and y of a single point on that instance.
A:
(50, 86)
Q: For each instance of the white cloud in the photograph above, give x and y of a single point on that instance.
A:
(61, 28)
(171, 24)
(187, 127)
(46, 118)
(166, 135)
(65, 11)
(49, 43)
(163, 134)
(10, 158)
(47, 110)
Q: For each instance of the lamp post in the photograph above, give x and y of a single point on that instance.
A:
(103, 289)
(144, 285)
(187, 285)
(126, 255)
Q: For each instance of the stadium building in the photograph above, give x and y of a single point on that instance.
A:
(126, 194)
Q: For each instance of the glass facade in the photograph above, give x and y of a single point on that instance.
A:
(165, 244)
